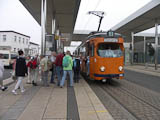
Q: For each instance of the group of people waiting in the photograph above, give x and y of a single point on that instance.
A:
(58, 64)
(61, 65)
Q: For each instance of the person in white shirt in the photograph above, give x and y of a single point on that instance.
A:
(3, 88)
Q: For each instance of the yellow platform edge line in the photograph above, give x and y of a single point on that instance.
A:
(102, 111)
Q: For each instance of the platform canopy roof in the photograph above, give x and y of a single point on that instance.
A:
(141, 20)
(64, 11)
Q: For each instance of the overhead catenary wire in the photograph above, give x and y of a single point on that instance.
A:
(97, 5)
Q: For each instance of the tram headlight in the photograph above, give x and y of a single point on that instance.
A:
(120, 68)
(102, 69)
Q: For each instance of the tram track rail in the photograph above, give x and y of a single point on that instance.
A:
(117, 111)
(153, 98)
(131, 113)
(139, 102)
(139, 108)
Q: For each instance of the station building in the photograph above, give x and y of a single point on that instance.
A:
(15, 41)
(33, 48)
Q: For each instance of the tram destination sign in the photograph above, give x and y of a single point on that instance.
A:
(110, 40)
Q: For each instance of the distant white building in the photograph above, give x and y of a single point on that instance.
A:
(14, 40)
(33, 49)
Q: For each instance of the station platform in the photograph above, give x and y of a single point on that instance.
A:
(52, 103)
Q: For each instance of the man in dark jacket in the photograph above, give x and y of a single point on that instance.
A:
(20, 72)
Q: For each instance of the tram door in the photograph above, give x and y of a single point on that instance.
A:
(92, 60)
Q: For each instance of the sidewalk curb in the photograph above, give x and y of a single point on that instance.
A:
(8, 81)
(144, 71)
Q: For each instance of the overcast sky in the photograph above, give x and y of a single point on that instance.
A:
(13, 16)
(115, 10)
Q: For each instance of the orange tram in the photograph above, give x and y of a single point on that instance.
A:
(102, 56)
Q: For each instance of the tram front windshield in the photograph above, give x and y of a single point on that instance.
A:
(109, 50)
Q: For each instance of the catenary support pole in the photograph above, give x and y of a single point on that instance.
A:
(156, 46)
(132, 34)
(145, 61)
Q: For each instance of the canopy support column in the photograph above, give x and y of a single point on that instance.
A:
(53, 34)
(43, 25)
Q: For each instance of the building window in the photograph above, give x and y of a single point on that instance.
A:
(23, 40)
(19, 39)
(26, 41)
(14, 49)
(15, 38)
(4, 38)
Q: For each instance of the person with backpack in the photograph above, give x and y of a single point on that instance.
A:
(76, 69)
(32, 64)
(20, 72)
(67, 68)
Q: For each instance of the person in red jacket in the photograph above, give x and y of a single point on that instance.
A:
(59, 68)
(32, 64)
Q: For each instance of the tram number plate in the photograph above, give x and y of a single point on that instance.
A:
(110, 40)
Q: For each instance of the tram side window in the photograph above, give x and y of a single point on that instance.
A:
(92, 50)
(87, 49)
(83, 51)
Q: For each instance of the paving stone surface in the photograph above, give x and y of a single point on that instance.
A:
(50, 103)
